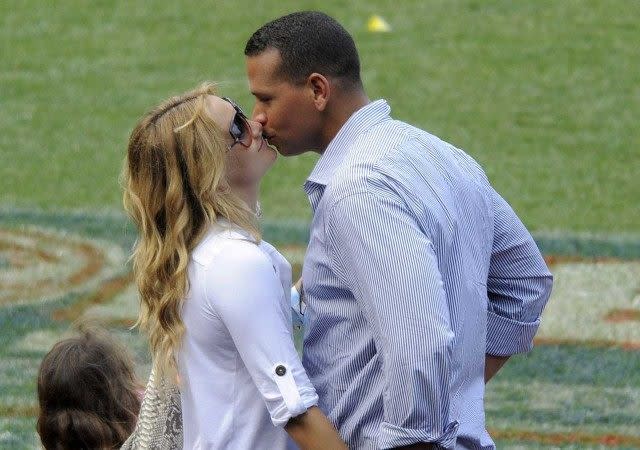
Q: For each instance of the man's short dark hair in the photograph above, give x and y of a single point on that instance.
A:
(309, 41)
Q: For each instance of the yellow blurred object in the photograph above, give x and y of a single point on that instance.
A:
(377, 24)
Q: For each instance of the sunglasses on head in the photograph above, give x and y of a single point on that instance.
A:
(239, 129)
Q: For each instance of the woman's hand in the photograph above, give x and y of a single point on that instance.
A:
(313, 431)
(298, 285)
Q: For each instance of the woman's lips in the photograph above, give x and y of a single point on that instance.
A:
(273, 146)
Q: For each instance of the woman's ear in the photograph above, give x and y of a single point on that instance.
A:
(320, 87)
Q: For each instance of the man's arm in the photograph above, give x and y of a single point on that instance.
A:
(518, 286)
(313, 431)
(388, 263)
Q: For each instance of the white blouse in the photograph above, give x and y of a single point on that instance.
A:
(241, 379)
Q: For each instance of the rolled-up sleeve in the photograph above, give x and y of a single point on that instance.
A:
(395, 280)
(252, 306)
(518, 286)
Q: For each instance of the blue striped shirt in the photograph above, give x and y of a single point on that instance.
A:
(416, 267)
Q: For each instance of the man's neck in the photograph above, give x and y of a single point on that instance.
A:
(342, 108)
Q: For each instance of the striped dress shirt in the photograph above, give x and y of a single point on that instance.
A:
(416, 267)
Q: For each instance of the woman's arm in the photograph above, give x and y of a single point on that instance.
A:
(312, 430)
(252, 306)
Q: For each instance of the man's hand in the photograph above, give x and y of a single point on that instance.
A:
(492, 364)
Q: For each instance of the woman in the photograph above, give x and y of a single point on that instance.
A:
(213, 295)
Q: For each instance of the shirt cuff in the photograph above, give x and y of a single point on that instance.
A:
(507, 336)
(393, 436)
(294, 399)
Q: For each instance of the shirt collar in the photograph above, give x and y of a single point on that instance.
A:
(232, 230)
(359, 122)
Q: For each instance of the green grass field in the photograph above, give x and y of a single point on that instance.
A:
(544, 94)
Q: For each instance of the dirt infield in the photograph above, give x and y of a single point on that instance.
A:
(44, 264)
(577, 389)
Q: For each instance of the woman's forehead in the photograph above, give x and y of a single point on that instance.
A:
(219, 110)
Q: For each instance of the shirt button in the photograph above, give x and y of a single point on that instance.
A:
(281, 370)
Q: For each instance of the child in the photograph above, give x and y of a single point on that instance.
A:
(88, 393)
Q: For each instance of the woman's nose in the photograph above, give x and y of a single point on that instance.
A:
(256, 128)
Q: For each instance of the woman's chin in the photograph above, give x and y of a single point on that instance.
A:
(273, 152)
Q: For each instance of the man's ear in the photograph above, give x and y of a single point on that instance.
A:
(320, 87)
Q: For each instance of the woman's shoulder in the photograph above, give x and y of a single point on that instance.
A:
(227, 243)
(276, 257)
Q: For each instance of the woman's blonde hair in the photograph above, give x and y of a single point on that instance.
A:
(175, 187)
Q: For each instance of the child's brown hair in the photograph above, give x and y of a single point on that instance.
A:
(87, 392)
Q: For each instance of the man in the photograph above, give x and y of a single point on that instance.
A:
(419, 279)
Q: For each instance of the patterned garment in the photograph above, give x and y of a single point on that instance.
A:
(416, 267)
(159, 424)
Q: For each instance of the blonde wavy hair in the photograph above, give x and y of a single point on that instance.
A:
(175, 188)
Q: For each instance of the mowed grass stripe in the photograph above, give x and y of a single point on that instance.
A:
(542, 93)
(592, 394)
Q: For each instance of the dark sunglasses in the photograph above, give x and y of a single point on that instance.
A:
(240, 130)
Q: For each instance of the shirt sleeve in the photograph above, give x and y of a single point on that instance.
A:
(252, 306)
(395, 279)
(518, 286)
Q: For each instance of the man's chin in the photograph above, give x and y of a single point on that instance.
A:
(271, 146)
(286, 151)
(283, 151)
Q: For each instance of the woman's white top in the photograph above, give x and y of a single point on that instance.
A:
(241, 379)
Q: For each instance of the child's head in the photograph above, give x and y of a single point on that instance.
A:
(88, 393)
